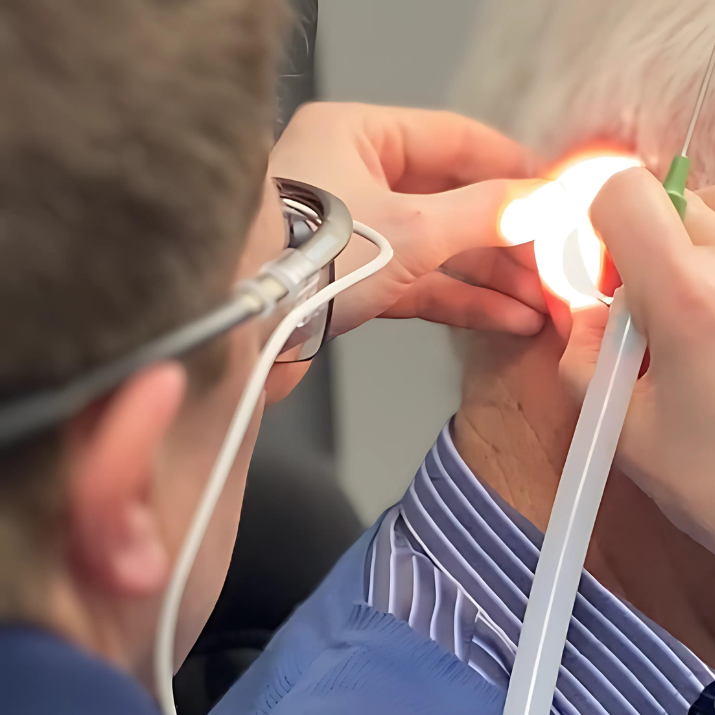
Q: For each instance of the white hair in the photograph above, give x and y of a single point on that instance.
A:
(559, 74)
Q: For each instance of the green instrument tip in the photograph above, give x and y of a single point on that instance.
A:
(675, 183)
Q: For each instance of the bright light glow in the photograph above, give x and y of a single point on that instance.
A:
(555, 217)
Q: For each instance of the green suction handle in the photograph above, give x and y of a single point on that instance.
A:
(675, 183)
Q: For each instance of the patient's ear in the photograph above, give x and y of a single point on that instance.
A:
(113, 452)
(610, 279)
(560, 313)
(578, 362)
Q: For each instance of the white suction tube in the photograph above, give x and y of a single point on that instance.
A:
(553, 593)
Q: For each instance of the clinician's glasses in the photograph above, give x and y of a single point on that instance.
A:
(302, 223)
(318, 228)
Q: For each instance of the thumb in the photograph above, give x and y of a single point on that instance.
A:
(578, 362)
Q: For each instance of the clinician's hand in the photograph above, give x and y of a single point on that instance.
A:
(668, 443)
(434, 184)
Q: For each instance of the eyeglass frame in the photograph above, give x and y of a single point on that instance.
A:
(277, 281)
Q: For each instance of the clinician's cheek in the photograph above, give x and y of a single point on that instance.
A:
(214, 557)
(283, 378)
(266, 237)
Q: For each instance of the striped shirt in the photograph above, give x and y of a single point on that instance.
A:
(456, 562)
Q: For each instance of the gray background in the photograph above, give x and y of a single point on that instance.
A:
(394, 383)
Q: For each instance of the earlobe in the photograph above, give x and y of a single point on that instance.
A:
(117, 541)
(139, 565)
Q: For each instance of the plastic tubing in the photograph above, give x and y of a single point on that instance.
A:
(553, 593)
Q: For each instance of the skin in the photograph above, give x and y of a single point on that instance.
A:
(513, 429)
(135, 463)
(522, 395)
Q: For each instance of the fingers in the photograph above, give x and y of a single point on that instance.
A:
(645, 237)
(700, 218)
(443, 225)
(425, 151)
(502, 269)
(441, 299)
(707, 195)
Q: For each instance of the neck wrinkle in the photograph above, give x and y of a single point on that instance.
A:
(499, 444)
(520, 452)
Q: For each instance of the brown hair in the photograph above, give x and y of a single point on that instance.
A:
(134, 137)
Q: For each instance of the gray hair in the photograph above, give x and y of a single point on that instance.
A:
(559, 74)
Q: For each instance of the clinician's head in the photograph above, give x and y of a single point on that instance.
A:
(134, 139)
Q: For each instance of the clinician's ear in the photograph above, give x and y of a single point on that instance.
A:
(113, 456)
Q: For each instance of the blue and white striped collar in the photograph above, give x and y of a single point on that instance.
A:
(615, 661)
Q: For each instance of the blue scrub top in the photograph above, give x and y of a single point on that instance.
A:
(335, 655)
(42, 674)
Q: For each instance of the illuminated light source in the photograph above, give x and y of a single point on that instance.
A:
(568, 253)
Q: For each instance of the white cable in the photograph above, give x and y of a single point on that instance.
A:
(166, 630)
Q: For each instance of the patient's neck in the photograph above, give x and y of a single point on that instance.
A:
(513, 429)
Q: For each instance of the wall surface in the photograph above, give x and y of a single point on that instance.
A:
(395, 383)
(403, 52)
